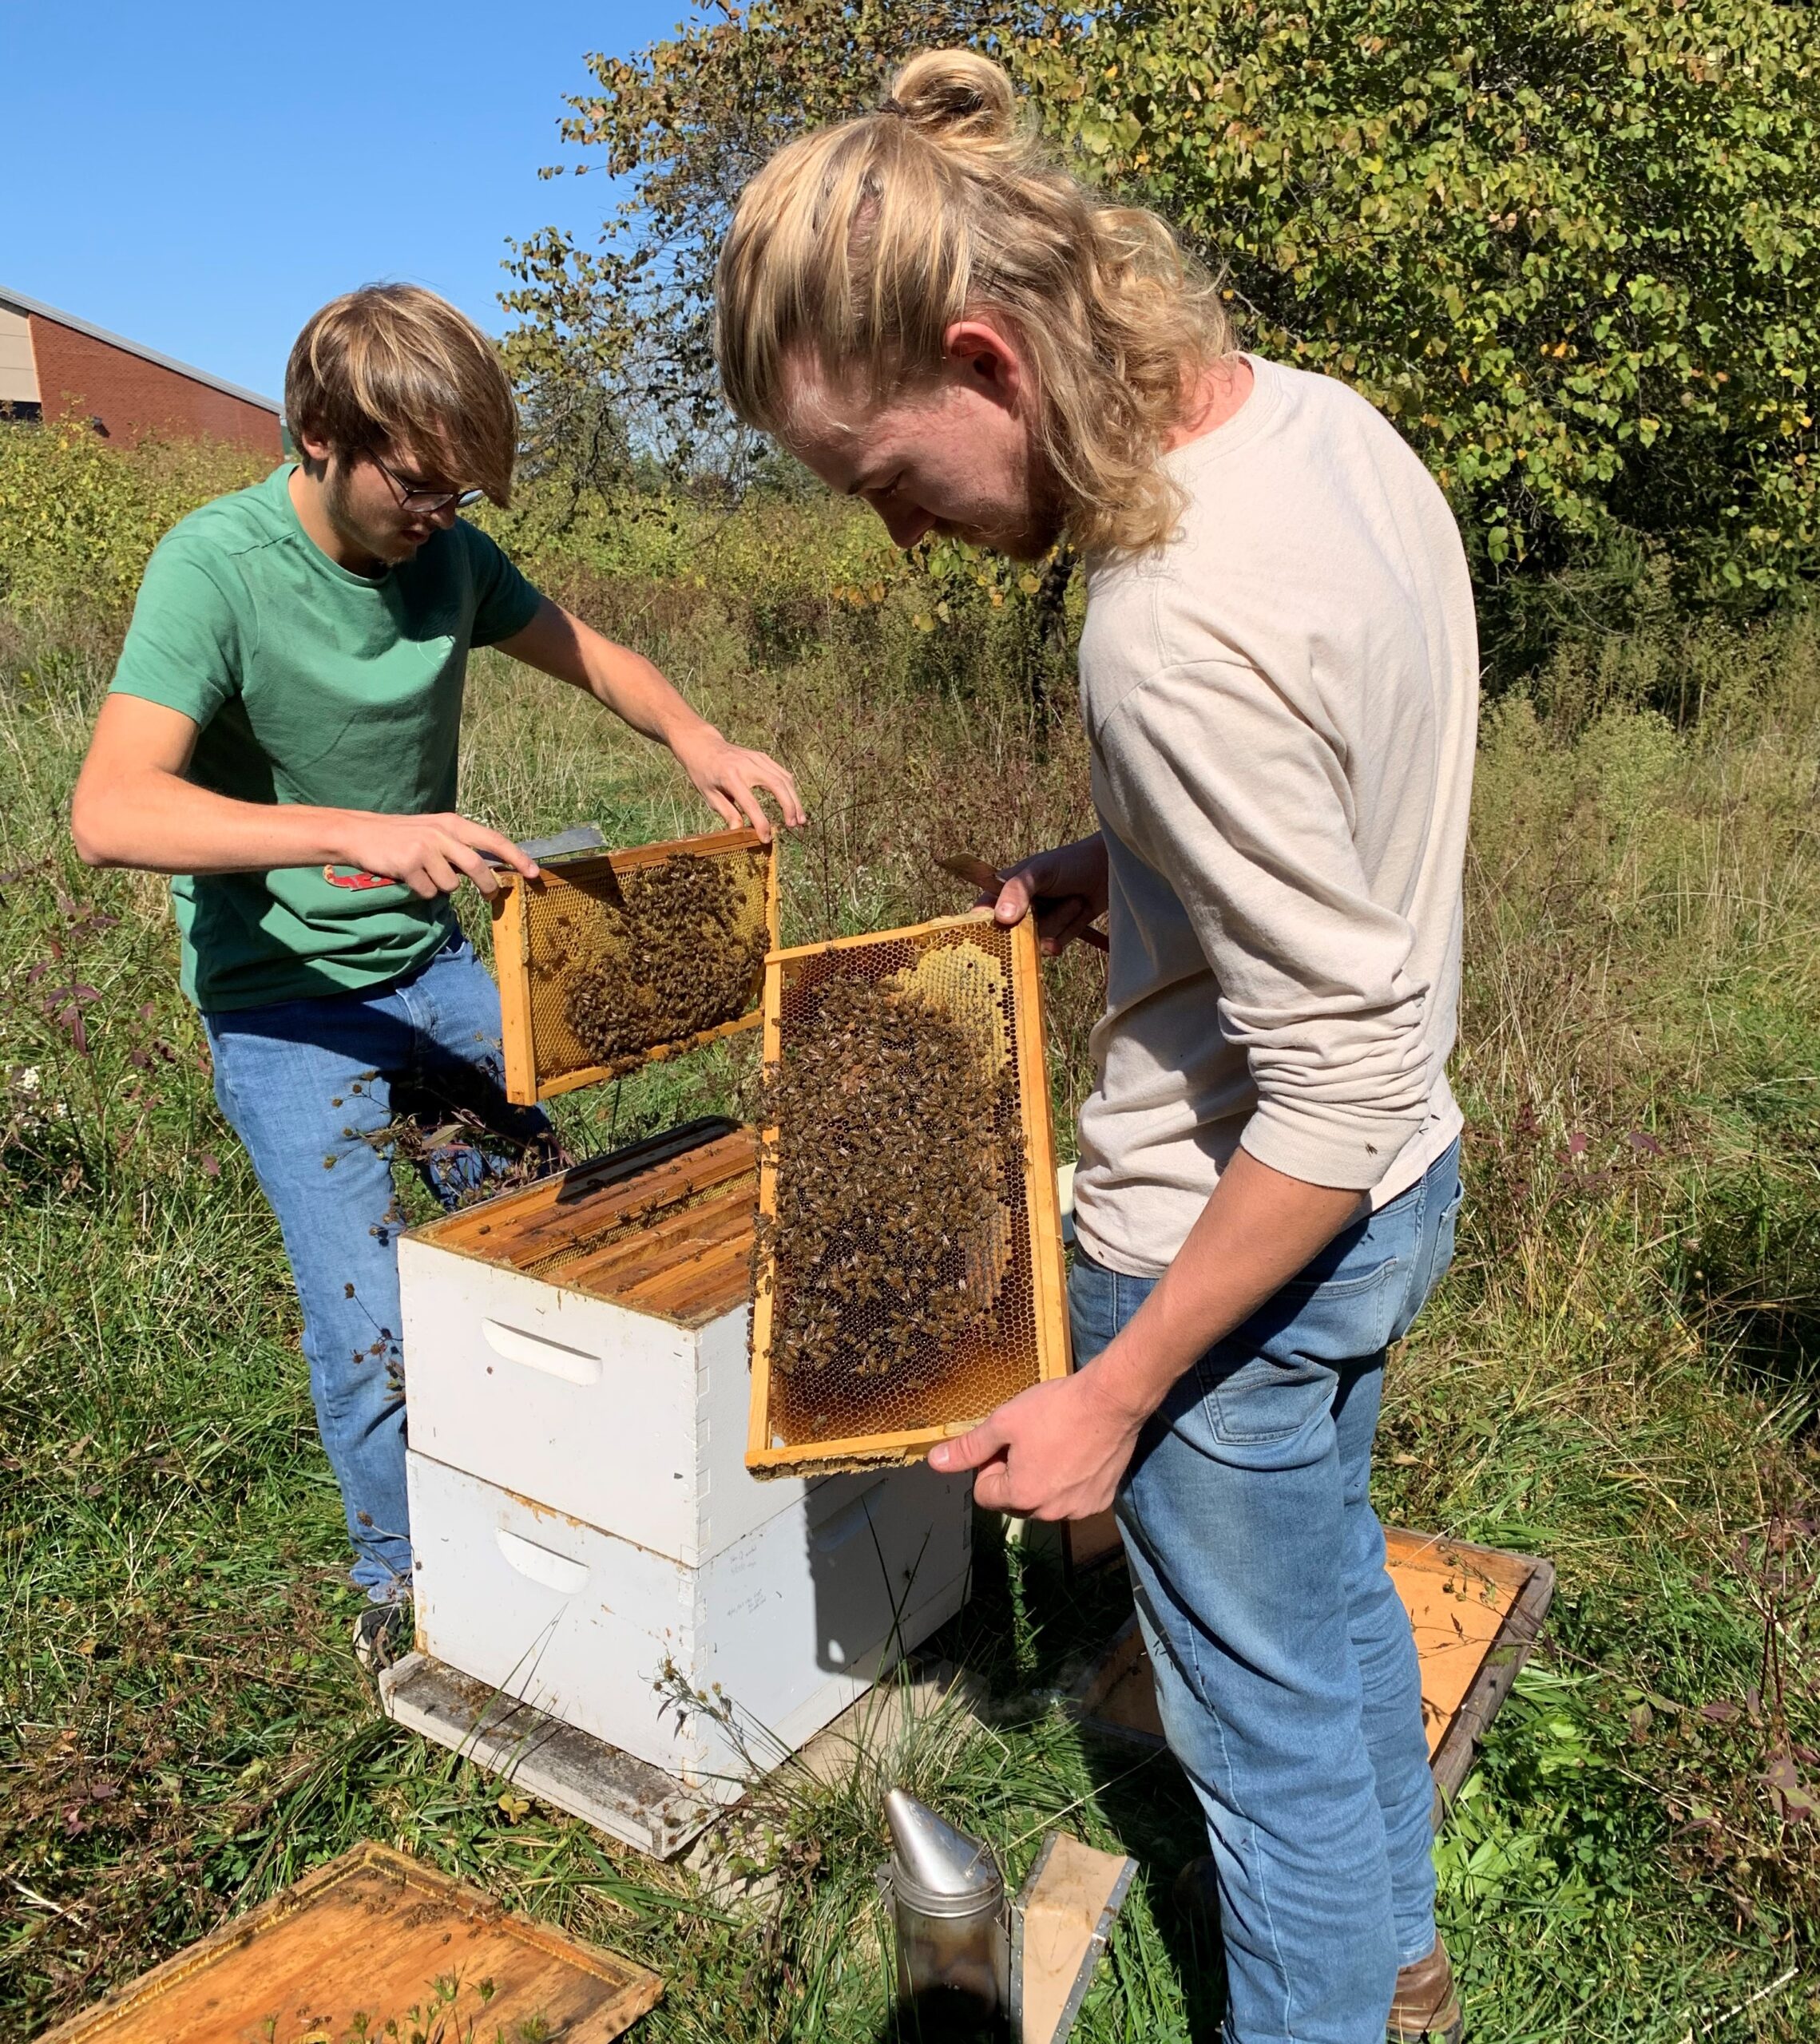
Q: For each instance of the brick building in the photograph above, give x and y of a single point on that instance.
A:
(52, 364)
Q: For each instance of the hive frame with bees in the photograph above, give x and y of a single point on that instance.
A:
(533, 926)
(1025, 1304)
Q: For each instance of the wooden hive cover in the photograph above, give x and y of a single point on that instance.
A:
(609, 961)
(1475, 1612)
(1001, 1266)
(372, 1937)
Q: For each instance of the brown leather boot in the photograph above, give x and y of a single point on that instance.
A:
(1426, 2006)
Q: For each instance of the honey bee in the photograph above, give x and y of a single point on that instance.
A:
(896, 1152)
(678, 951)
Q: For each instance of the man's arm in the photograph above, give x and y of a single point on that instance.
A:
(728, 776)
(133, 807)
(1057, 1451)
(1313, 985)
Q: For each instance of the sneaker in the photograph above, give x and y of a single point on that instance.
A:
(382, 1635)
(1426, 2006)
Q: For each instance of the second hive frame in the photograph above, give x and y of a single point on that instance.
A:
(527, 1080)
(763, 1456)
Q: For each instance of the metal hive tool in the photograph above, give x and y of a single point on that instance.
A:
(876, 1331)
(605, 963)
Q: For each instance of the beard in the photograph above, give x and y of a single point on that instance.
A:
(381, 545)
(1025, 532)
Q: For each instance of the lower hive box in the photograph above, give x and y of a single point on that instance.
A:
(783, 1630)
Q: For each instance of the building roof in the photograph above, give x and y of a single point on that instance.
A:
(15, 301)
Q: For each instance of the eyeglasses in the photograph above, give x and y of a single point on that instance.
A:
(412, 497)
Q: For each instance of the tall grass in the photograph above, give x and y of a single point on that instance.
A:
(1620, 1373)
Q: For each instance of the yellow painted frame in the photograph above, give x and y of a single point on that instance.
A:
(1042, 1205)
(525, 1083)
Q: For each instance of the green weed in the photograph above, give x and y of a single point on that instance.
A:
(1619, 1374)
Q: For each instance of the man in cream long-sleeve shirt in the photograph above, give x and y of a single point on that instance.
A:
(1281, 705)
(1277, 675)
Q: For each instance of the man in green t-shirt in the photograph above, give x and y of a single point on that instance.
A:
(282, 736)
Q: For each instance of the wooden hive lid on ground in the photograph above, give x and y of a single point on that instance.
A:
(611, 959)
(848, 1371)
(374, 1938)
(1476, 1613)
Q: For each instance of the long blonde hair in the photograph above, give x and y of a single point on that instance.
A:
(862, 244)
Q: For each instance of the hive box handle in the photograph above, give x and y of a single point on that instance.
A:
(538, 1352)
(555, 1572)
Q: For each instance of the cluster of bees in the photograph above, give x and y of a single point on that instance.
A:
(894, 1150)
(679, 951)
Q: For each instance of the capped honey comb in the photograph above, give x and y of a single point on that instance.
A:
(608, 962)
(908, 1260)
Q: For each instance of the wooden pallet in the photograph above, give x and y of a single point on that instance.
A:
(375, 1937)
(531, 1073)
(767, 1454)
(1476, 1613)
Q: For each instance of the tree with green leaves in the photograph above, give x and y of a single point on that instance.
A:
(687, 120)
(1571, 247)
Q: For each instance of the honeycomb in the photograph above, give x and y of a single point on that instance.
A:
(908, 1240)
(635, 954)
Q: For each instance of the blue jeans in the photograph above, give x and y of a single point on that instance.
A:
(318, 1090)
(1286, 1670)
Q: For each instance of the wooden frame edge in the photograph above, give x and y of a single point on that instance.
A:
(764, 1262)
(930, 928)
(595, 1074)
(512, 971)
(93, 2025)
(854, 1451)
(1511, 1647)
(1042, 1202)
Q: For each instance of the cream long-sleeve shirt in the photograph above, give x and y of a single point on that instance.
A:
(1281, 704)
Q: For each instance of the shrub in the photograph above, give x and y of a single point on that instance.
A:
(78, 517)
(1571, 247)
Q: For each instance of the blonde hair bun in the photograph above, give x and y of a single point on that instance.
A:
(956, 95)
(859, 247)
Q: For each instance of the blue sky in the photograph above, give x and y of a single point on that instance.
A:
(200, 176)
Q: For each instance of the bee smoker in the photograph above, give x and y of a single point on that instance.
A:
(948, 1901)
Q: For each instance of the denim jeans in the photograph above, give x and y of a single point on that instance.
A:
(1286, 1670)
(314, 1088)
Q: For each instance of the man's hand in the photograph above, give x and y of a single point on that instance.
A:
(1055, 1450)
(1070, 881)
(729, 777)
(430, 854)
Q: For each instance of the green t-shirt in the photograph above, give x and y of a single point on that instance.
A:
(312, 684)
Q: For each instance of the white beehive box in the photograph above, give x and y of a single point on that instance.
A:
(584, 1343)
(783, 1628)
(587, 1535)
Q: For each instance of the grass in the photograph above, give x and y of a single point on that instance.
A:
(1620, 1373)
